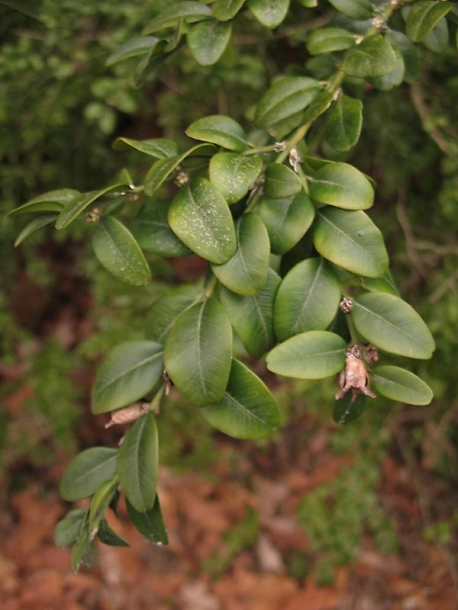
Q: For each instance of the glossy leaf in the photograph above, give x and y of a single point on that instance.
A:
(200, 217)
(248, 410)
(328, 40)
(348, 408)
(128, 372)
(409, 54)
(117, 250)
(208, 40)
(286, 220)
(307, 299)
(312, 355)
(163, 314)
(373, 57)
(394, 78)
(159, 148)
(68, 529)
(34, 225)
(197, 352)
(86, 472)
(438, 38)
(220, 130)
(135, 47)
(398, 384)
(75, 206)
(281, 182)
(392, 325)
(269, 12)
(101, 501)
(344, 122)
(343, 186)
(252, 316)
(384, 283)
(234, 175)
(287, 97)
(153, 233)
(53, 201)
(137, 466)
(226, 9)
(246, 272)
(351, 240)
(150, 523)
(423, 17)
(356, 9)
(108, 536)
(163, 169)
(189, 11)
(319, 105)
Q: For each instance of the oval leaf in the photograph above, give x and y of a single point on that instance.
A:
(197, 352)
(159, 148)
(351, 240)
(308, 299)
(226, 9)
(248, 410)
(87, 471)
(75, 206)
(423, 17)
(373, 57)
(117, 250)
(128, 372)
(135, 47)
(392, 325)
(398, 384)
(311, 355)
(246, 272)
(342, 186)
(208, 40)
(53, 201)
(188, 10)
(200, 217)
(394, 78)
(252, 316)
(286, 220)
(344, 122)
(328, 40)
(101, 501)
(356, 9)
(33, 226)
(163, 314)
(281, 182)
(234, 175)
(220, 130)
(138, 463)
(68, 529)
(150, 523)
(348, 408)
(108, 536)
(269, 12)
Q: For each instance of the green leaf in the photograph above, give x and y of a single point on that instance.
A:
(208, 40)
(269, 12)
(351, 240)
(248, 410)
(108, 536)
(398, 384)
(159, 148)
(312, 355)
(343, 186)
(163, 314)
(286, 220)
(409, 53)
(68, 529)
(34, 225)
(246, 272)
(83, 550)
(86, 472)
(348, 408)
(422, 18)
(328, 40)
(384, 283)
(170, 16)
(101, 501)
(53, 201)
(73, 208)
(234, 175)
(438, 38)
(373, 57)
(117, 250)
(394, 78)
(287, 97)
(153, 233)
(220, 130)
(226, 9)
(138, 463)
(344, 122)
(392, 325)
(197, 352)
(201, 219)
(252, 316)
(150, 523)
(319, 105)
(308, 299)
(356, 9)
(162, 169)
(135, 47)
(281, 182)
(129, 371)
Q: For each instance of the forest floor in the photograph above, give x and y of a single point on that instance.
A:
(235, 539)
